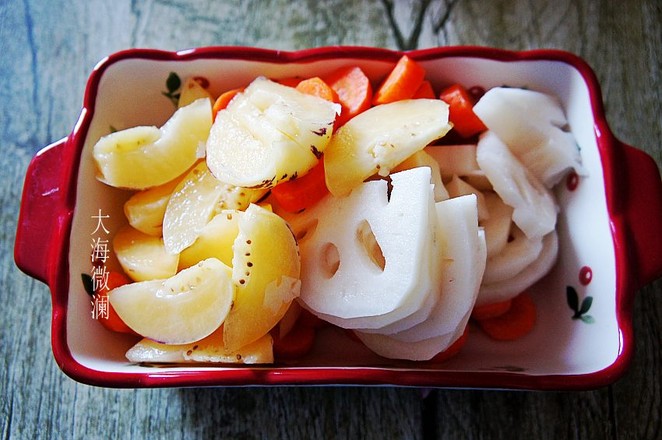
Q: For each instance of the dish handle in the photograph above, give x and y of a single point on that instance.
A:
(39, 208)
(643, 214)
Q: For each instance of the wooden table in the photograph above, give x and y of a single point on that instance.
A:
(49, 48)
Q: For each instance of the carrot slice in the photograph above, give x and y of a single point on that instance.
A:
(354, 91)
(493, 310)
(403, 81)
(316, 86)
(302, 192)
(425, 91)
(453, 349)
(112, 321)
(515, 323)
(296, 343)
(223, 100)
(310, 320)
(461, 113)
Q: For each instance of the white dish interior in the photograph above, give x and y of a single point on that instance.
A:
(129, 94)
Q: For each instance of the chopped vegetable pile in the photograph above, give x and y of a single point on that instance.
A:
(270, 211)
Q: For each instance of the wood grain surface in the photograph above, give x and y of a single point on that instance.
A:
(47, 51)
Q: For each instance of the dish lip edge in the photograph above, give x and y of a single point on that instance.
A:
(58, 280)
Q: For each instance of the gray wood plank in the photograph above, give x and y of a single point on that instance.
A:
(539, 415)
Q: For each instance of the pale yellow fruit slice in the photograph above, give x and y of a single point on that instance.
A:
(145, 209)
(146, 156)
(195, 201)
(267, 134)
(192, 90)
(377, 140)
(266, 269)
(423, 159)
(143, 257)
(181, 309)
(215, 240)
(209, 349)
(479, 181)
(457, 187)
(455, 159)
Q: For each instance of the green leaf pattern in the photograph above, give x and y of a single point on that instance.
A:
(580, 310)
(173, 84)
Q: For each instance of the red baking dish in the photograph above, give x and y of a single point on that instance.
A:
(609, 228)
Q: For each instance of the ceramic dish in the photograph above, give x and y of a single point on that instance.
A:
(609, 227)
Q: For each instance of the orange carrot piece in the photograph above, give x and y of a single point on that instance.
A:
(461, 113)
(298, 341)
(310, 320)
(425, 91)
(453, 349)
(515, 323)
(403, 81)
(493, 310)
(223, 100)
(302, 192)
(354, 91)
(113, 322)
(316, 86)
